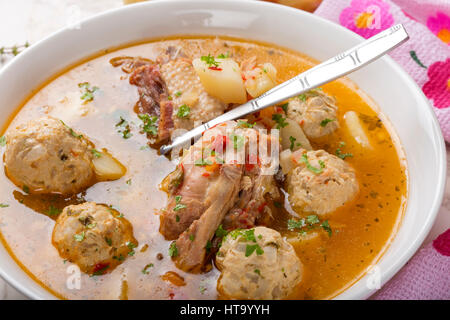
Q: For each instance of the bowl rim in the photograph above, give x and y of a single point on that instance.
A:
(212, 5)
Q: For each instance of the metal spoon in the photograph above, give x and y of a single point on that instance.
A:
(336, 67)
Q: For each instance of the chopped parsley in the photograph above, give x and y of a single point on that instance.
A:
(145, 270)
(292, 140)
(119, 258)
(87, 92)
(295, 224)
(191, 237)
(285, 107)
(339, 152)
(310, 222)
(53, 211)
(79, 237)
(178, 206)
(278, 118)
(108, 241)
(3, 141)
(131, 246)
(221, 232)
(177, 218)
(238, 141)
(257, 271)
(125, 130)
(148, 124)
(210, 61)
(183, 111)
(244, 124)
(4, 205)
(96, 153)
(202, 162)
(73, 133)
(250, 248)
(128, 182)
(223, 56)
(173, 250)
(324, 122)
(177, 94)
(26, 189)
(248, 235)
(302, 97)
(208, 246)
(311, 168)
(326, 226)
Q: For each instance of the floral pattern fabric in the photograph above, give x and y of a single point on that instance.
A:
(426, 56)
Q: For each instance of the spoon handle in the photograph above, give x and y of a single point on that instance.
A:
(336, 67)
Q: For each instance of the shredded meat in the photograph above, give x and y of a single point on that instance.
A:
(153, 98)
(192, 244)
(129, 64)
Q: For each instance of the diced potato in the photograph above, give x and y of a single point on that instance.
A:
(224, 81)
(286, 162)
(355, 128)
(293, 132)
(260, 79)
(107, 168)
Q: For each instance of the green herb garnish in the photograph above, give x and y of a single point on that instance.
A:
(4, 205)
(3, 141)
(202, 162)
(183, 111)
(87, 92)
(209, 60)
(250, 248)
(145, 270)
(324, 122)
(149, 124)
(311, 168)
(73, 133)
(238, 141)
(173, 250)
(244, 124)
(221, 232)
(53, 211)
(96, 153)
(108, 241)
(79, 237)
(281, 122)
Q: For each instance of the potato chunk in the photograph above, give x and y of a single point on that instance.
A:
(106, 167)
(292, 137)
(260, 79)
(356, 129)
(223, 81)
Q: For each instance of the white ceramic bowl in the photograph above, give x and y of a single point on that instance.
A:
(393, 90)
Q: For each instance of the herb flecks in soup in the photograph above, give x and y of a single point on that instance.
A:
(84, 187)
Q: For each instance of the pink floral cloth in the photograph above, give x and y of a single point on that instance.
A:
(426, 56)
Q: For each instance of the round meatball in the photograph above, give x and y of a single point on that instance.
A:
(95, 237)
(315, 112)
(257, 264)
(320, 182)
(46, 156)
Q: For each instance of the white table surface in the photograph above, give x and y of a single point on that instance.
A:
(32, 20)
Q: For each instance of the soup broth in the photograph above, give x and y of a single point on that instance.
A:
(361, 229)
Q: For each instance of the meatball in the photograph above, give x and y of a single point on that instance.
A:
(93, 236)
(315, 112)
(320, 182)
(257, 264)
(46, 156)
